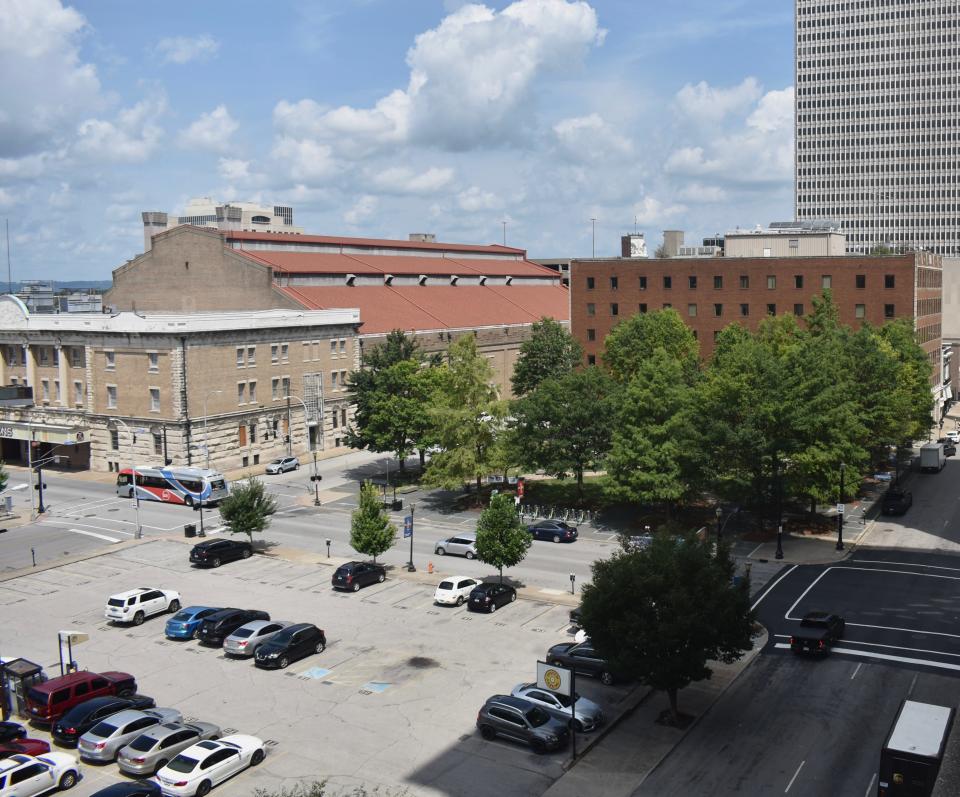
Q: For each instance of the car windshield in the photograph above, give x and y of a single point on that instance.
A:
(445, 585)
(103, 729)
(37, 696)
(143, 744)
(243, 633)
(115, 602)
(537, 716)
(563, 700)
(277, 462)
(183, 763)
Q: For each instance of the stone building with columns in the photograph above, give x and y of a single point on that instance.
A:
(113, 390)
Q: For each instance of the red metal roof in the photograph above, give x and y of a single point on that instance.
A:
(238, 235)
(411, 307)
(333, 263)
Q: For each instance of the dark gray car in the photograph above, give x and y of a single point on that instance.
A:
(155, 747)
(523, 721)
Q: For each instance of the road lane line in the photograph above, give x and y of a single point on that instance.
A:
(769, 589)
(804, 593)
(854, 675)
(902, 647)
(913, 683)
(943, 665)
(794, 776)
(869, 791)
(904, 564)
(94, 534)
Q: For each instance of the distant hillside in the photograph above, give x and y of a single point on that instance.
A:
(70, 285)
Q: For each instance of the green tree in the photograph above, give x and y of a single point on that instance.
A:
(248, 507)
(661, 614)
(502, 540)
(651, 452)
(467, 419)
(371, 531)
(563, 426)
(914, 376)
(637, 338)
(550, 352)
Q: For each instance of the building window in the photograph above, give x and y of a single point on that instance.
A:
(334, 417)
(343, 380)
(717, 282)
(274, 353)
(861, 281)
(56, 356)
(744, 281)
(343, 347)
(668, 282)
(860, 311)
(251, 355)
(284, 352)
(45, 389)
(771, 309)
(692, 310)
(76, 357)
(44, 357)
(643, 283)
(253, 432)
(111, 396)
(716, 335)
(798, 280)
(614, 283)
(252, 389)
(591, 309)
(591, 334)
(771, 281)
(826, 281)
(343, 417)
(643, 308)
(333, 350)
(798, 310)
(154, 399)
(591, 359)
(888, 311)
(153, 362)
(78, 393)
(241, 392)
(614, 308)
(306, 351)
(240, 353)
(56, 391)
(667, 305)
(718, 310)
(285, 386)
(157, 443)
(692, 281)
(591, 283)
(744, 310)
(111, 359)
(889, 280)
(696, 335)
(275, 388)
(115, 439)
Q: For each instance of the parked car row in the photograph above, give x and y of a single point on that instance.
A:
(465, 543)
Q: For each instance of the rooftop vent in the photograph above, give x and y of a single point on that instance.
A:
(351, 278)
(423, 237)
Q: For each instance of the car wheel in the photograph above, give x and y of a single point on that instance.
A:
(556, 538)
(488, 733)
(160, 765)
(128, 692)
(356, 586)
(188, 500)
(283, 663)
(493, 608)
(196, 633)
(256, 758)
(138, 618)
(246, 553)
(439, 552)
(174, 606)
(606, 678)
(216, 561)
(538, 747)
(321, 646)
(203, 789)
(513, 597)
(68, 780)
(297, 466)
(460, 600)
(381, 578)
(470, 554)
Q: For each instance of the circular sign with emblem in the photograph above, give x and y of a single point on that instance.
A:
(552, 679)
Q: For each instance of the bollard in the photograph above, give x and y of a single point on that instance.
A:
(33, 555)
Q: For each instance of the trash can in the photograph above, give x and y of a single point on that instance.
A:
(397, 505)
(190, 530)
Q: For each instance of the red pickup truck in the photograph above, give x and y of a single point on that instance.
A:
(50, 700)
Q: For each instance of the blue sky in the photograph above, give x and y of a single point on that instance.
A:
(379, 118)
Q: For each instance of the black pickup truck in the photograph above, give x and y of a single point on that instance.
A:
(818, 630)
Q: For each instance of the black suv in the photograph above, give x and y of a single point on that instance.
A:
(523, 721)
(292, 643)
(219, 625)
(77, 721)
(896, 501)
(213, 553)
(490, 596)
(354, 575)
(582, 659)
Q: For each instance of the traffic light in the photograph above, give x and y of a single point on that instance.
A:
(316, 478)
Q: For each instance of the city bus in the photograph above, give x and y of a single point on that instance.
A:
(187, 486)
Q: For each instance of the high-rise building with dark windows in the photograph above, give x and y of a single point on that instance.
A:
(877, 121)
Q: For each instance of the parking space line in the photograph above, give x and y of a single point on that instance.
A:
(904, 564)
(794, 776)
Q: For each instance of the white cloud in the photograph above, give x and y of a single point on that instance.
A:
(6, 199)
(697, 192)
(211, 132)
(362, 209)
(402, 180)
(650, 210)
(590, 138)
(774, 112)
(307, 162)
(710, 104)
(475, 199)
(184, 49)
(131, 137)
(62, 197)
(233, 169)
(46, 88)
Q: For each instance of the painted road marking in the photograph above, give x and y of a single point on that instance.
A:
(902, 647)
(854, 674)
(794, 776)
(869, 791)
(94, 534)
(769, 589)
(100, 528)
(943, 665)
(905, 564)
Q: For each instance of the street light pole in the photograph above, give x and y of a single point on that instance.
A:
(840, 510)
(206, 442)
(719, 527)
(316, 482)
(133, 459)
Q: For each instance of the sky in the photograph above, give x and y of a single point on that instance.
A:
(379, 118)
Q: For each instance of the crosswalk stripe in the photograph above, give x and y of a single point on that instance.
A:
(94, 534)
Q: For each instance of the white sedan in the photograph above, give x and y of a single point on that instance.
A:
(199, 768)
(24, 775)
(454, 591)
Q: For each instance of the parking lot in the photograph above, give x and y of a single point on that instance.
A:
(392, 701)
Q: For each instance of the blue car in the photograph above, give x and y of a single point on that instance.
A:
(186, 623)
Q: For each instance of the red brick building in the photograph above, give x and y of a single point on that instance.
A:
(710, 293)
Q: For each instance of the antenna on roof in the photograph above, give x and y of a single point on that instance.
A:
(9, 277)
(504, 223)
(635, 222)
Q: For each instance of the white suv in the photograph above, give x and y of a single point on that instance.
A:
(135, 605)
(24, 775)
(453, 591)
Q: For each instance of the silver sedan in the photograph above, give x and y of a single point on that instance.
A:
(247, 638)
(154, 748)
(587, 715)
(104, 740)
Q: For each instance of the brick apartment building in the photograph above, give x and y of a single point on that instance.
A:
(710, 293)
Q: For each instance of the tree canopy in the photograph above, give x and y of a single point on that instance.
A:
(635, 340)
(371, 531)
(502, 540)
(550, 352)
(248, 507)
